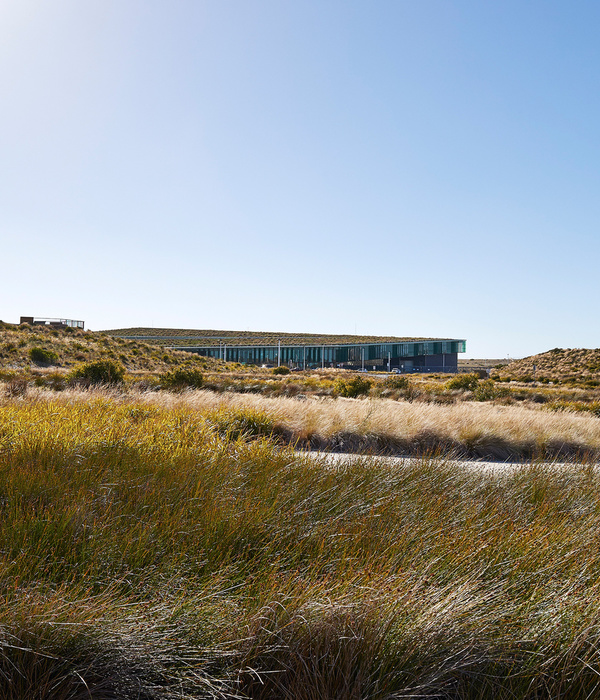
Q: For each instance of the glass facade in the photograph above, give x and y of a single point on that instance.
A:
(432, 353)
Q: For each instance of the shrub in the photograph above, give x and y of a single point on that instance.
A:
(182, 378)
(396, 382)
(100, 372)
(575, 406)
(245, 423)
(53, 380)
(281, 370)
(488, 391)
(467, 382)
(42, 356)
(351, 388)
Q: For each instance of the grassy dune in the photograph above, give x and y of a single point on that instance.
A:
(69, 347)
(166, 547)
(558, 365)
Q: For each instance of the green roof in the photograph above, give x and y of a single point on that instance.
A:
(193, 337)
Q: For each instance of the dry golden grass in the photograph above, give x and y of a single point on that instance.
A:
(479, 429)
(474, 429)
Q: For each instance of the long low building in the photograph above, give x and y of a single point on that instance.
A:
(309, 350)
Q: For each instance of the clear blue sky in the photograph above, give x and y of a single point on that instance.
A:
(385, 166)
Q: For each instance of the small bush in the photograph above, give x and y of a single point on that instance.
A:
(53, 380)
(352, 388)
(488, 391)
(182, 378)
(242, 423)
(396, 382)
(281, 370)
(467, 382)
(16, 387)
(100, 372)
(41, 356)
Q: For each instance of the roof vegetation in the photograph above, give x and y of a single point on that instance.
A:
(185, 336)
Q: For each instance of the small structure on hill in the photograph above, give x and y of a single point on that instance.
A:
(53, 322)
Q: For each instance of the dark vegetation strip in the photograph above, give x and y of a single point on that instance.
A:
(428, 443)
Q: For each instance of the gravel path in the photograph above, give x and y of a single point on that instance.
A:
(340, 458)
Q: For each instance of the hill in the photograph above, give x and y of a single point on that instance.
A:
(68, 347)
(558, 365)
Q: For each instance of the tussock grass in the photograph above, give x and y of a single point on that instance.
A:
(168, 547)
(474, 429)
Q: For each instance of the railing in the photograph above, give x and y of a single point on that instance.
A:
(60, 322)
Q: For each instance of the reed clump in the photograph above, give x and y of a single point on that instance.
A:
(173, 548)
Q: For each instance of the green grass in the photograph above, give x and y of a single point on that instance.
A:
(153, 552)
